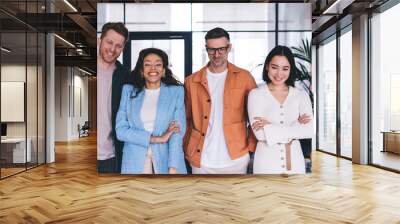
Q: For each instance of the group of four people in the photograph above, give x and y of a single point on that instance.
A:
(150, 123)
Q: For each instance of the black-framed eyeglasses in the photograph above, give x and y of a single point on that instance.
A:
(221, 50)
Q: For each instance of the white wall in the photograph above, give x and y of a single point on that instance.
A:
(71, 102)
(17, 73)
(33, 125)
(80, 112)
(61, 103)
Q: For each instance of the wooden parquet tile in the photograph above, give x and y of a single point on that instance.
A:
(71, 191)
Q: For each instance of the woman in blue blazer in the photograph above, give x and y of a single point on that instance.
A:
(151, 118)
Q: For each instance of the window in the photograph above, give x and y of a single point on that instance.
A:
(385, 85)
(327, 96)
(346, 94)
(22, 75)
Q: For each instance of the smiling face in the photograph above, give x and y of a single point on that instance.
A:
(218, 58)
(278, 70)
(153, 70)
(111, 46)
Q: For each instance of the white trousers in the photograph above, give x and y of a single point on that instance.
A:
(148, 163)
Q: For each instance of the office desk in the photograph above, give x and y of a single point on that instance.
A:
(13, 150)
(391, 141)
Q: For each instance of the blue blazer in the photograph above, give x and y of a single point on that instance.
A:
(129, 129)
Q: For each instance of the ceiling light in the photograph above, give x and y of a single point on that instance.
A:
(65, 41)
(5, 50)
(337, 7)
(84, 71)
(70, 5)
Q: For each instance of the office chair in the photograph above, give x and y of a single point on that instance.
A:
(84, 130)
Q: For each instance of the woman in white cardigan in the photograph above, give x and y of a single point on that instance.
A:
(279, 114)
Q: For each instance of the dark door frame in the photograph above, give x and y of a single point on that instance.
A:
(186, 36)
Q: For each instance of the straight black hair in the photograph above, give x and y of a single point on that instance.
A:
(281, 51)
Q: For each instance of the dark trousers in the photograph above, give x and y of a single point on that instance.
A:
(188, 167)
(107, 166)
(306, 145)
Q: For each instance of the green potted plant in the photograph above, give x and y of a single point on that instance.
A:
(303, 55)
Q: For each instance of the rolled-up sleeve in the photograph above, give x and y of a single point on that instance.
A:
(283, 134)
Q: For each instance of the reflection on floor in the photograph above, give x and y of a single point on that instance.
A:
(387, 159)
(10, 169)
(346, 152)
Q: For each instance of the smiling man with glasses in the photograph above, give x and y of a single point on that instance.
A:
(218, 139)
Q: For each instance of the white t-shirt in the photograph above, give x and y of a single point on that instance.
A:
(215, 151)
(105, 143)
(149, 108)
(148, 115)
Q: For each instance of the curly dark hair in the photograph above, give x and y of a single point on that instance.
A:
(137, 80)
(281, 51)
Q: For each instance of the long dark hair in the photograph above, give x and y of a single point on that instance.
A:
(281, 51)
(138, 81)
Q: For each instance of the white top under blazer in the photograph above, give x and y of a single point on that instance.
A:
(270, 155)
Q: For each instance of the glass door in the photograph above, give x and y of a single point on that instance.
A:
(327, 92)
(385, 90)
(15, 150)
(346, 93)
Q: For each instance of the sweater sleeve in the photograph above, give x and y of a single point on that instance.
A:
(254, 111)
(283, 134)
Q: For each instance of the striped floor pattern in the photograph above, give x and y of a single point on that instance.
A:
(71, 191)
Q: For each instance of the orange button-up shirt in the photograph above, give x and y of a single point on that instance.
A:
(238, 134)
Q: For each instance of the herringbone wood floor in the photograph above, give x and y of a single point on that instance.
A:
(71, 191)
